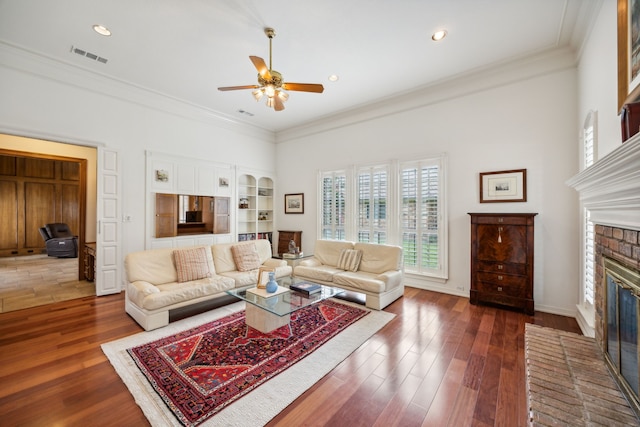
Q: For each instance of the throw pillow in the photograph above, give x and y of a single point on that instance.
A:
(191, 264)
(246, 257)
(349, 259)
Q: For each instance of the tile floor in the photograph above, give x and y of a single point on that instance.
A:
(29, 281)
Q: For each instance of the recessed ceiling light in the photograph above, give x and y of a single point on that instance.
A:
(102, 30)
(439, 35)
(333, 78)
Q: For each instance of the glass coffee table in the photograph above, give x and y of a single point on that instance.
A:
(269, 311)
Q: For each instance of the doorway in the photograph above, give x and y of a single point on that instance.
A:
(61, 181)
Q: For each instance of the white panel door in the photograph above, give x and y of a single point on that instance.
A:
(108, 262)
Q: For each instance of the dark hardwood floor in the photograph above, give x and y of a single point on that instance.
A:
(441, 361)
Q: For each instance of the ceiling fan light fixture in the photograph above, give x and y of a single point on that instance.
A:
(282, 95)
(270, 90)
(271, 83)
(258, 94)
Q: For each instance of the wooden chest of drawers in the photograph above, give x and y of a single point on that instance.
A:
(502, 259)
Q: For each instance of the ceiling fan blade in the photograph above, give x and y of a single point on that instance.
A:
(238, 87)
(303, 87)
(278, 104)
(261, 66)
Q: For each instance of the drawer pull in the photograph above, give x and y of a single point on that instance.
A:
(500, 277)
(499, 234)
(500, 267)
(499, 288)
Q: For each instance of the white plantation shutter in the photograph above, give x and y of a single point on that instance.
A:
(589, 261)
(333, 190)
(372, 190)
(420, 217)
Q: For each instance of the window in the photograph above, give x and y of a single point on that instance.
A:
(333, 205)
(400, 203)
(420, 216)
(589, 258)
(589, 154)
(372, 193)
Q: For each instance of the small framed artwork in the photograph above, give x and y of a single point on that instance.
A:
(503, 186)
(223, 181)
(162, 175)
(263, 277)
(294, 203)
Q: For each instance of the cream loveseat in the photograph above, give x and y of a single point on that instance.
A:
(161, 280)
(374, 270)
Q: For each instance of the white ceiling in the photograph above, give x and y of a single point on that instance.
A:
(380, 48)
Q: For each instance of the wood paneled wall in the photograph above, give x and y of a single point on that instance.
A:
(36, 191)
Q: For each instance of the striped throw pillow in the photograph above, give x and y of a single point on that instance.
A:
(246, 257)
(191, 264)
(349, 259)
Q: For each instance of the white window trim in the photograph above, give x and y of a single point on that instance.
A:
(585, 310)
(393, 208)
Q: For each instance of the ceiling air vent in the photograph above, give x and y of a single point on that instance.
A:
(89, 55)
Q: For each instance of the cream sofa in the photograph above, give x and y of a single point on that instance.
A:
(158, 280)
(374, 270)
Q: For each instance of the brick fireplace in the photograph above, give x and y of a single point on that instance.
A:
(621, 245)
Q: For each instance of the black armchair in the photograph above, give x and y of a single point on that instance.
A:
(59, 240)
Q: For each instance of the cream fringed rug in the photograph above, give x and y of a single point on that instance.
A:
(257, 406)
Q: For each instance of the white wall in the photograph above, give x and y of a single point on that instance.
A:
(528, 122)
(598, 80)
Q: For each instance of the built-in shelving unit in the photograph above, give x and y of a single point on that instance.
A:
(255, 207)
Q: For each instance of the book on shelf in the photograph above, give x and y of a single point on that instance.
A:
(306, 288)
(292, 256)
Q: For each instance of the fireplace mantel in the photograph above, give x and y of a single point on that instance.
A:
(610, 188)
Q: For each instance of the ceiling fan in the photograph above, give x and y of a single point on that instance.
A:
(270, 82)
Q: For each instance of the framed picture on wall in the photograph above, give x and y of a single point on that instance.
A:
(628, 52)
(503, 186)
(294, 203)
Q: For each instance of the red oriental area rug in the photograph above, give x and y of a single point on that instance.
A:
(200, 371)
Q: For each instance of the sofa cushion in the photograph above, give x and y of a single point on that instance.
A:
(349, 259)
(368, 282)
(246, 278)
(328, 251)
(169, 294)
(192, 263)
(223, 257)
(155, 266)
(245, 257)
(323, 273)
(379, 258)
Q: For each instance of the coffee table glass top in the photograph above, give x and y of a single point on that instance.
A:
(286, 301)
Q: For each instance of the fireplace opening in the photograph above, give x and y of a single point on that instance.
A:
(622, 303)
